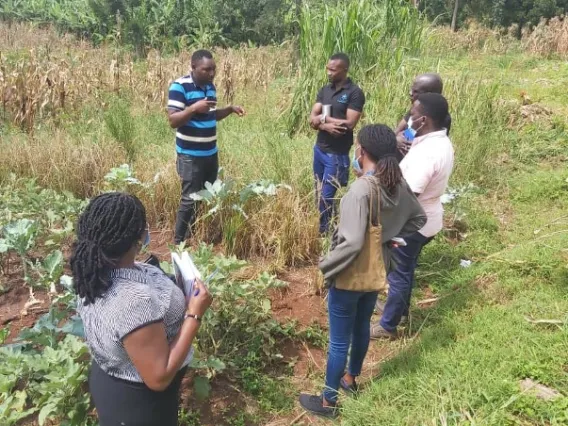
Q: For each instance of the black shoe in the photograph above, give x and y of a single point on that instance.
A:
(349, 389)
(314, 404)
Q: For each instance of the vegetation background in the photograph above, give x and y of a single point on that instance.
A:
(83, 85)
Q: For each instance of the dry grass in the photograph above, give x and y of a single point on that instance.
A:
(282, 229)
(548, 37)
(475, 38)
(45, 75)
(60, 163)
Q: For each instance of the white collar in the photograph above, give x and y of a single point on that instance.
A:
(437, 134)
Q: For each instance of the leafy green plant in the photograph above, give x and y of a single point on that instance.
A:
(51, 270)
(121, 179)
(52, 382)
(20, 237)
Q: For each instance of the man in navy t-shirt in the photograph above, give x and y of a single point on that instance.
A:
(335, 133)
(192, 112)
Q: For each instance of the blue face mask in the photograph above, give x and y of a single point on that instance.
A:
(355, 162)
(409, 134)
(146, 242)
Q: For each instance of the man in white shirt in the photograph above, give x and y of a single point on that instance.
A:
(427, 168)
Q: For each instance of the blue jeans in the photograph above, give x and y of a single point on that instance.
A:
(331, 171)
(401, 280)
(349, 323)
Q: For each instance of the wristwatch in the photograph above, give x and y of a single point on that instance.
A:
(195, 317)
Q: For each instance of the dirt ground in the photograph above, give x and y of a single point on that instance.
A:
(299, 302)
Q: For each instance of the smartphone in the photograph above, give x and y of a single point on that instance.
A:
(211, 99)
(399, 241)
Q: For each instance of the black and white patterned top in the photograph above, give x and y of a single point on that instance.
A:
(137, 297)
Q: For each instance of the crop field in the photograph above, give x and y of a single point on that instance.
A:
(490, 311)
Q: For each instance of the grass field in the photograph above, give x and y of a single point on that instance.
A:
(465, 353)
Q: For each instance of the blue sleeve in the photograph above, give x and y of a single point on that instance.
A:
(176, 97)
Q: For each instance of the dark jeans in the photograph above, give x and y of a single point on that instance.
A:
(401, 280)
(331, 171)
(193, 172)
(119, 402)
(349, 323)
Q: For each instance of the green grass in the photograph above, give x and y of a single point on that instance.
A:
(465, 355)
(470, 351)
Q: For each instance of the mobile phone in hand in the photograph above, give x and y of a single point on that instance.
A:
(399, 241)
(212, 99)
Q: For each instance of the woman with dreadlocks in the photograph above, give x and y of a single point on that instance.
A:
(138, 325)
(378, 206)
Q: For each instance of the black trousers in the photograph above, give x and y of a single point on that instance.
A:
(193, 172)
(122, 403)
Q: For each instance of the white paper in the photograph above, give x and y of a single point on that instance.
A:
(186, 273)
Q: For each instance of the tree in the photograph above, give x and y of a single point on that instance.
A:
(455, 16)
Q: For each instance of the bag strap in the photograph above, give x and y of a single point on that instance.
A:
(372, 181)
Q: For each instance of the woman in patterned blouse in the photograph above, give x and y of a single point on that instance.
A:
(138, 325)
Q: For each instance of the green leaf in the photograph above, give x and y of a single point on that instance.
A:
(67, 282)
(201, 387)
(20, 235)
(53, 263)
(216, 364)
(45, 412)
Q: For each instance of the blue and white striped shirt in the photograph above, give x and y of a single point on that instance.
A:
(198, 137)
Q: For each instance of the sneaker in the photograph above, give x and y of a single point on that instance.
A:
(404, 320)
(348, 389)
(379, 307)
(378, 332)
(314, 405)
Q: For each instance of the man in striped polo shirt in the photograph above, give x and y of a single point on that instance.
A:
(192, 112)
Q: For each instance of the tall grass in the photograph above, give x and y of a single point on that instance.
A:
(120, 123)
(376, 36)
(548, 37)
(70, 147)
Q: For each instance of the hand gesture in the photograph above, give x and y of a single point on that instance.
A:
(203, 106)
(239, 111)
(402, 144)
(333, 129)
(200, 300)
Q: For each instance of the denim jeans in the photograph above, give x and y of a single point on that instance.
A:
(331, 171)
(349, 323)
(193, 172)
(401, 280)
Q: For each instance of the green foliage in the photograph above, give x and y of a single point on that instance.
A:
(120, 124)
(241, 321)
(375, 35)
(48, 382)
(51, 270)
(170, 24)
(55, 212)
(500, 13)
(121, 179)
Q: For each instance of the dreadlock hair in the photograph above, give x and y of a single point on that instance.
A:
(109, 227)
(379, 142)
